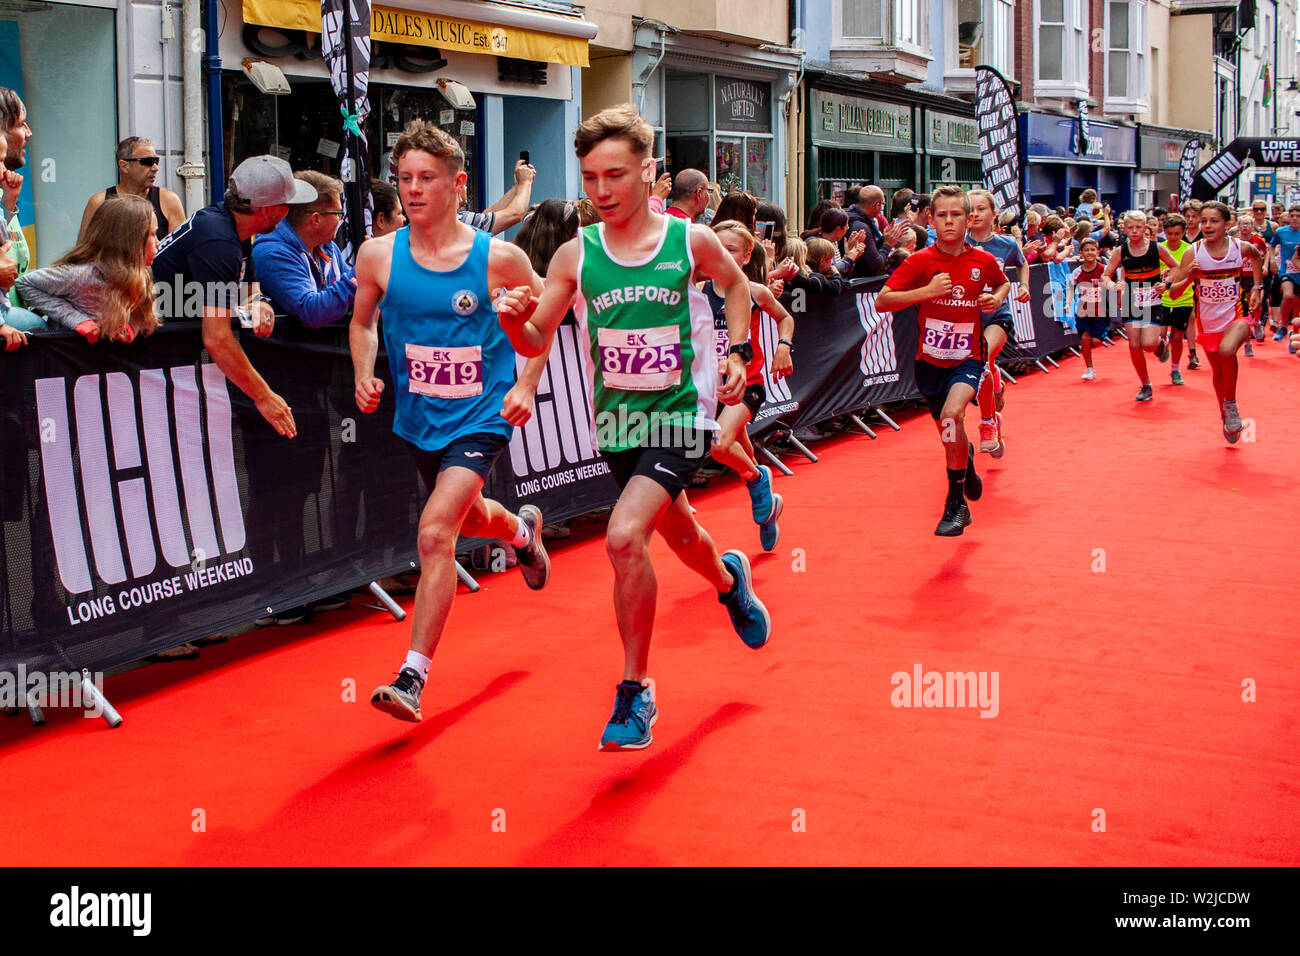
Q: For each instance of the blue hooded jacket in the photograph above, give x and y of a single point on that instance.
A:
(301, 285)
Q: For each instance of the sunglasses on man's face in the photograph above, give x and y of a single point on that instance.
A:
(145, 160)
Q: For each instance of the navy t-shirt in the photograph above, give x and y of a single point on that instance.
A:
(202, 263)
(1007, 251)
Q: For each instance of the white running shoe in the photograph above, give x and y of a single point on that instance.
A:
(1089, 375)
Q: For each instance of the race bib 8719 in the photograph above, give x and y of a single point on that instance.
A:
(640, 360)
(444, 372)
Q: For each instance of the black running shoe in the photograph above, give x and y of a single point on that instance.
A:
(1192, 361)
(401, 698)
(956, 517)
(534, 562)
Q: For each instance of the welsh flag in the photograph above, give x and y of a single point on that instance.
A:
(1267, 76)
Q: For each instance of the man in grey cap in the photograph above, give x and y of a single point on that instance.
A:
(204, 270)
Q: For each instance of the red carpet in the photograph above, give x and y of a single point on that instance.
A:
(1119, 691)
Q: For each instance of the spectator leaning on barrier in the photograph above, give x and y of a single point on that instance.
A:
(209, 256)
(507, 211)
(303, 271)
(103, 288)
(14, 254)
(819, 274)
(388, 216)
(137, 169)
(299, 265)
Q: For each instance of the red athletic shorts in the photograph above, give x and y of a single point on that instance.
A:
(1210, 340)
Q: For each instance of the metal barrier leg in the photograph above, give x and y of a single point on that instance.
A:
(861, 424)
(801, 448)
(780, 465)
(1123, 333)
(880, 413)
(387, 601)
(1007, 375)
(91, 693)
(1039, 363)
(34, 709)
(465, 578)
(1052, 360)
(1076, 352)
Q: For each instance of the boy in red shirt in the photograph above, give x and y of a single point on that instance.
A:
(950, 283)
(1089, 307)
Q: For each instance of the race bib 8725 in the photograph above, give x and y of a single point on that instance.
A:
(948, 341)
(444, 372)
(640, 360)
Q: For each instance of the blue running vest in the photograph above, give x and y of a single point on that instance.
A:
(451, 361)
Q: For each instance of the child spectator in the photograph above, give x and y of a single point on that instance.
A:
(103, 288)
(821, 277)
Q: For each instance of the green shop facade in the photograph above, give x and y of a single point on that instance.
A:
(891, 139)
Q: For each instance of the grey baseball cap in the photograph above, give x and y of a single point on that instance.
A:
(268, 181)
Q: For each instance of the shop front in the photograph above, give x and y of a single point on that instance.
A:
(853, 140)
(62, 61)
(1160, 150)
(952, 151)
(718, 108)
(1063, 163)
(502, 81)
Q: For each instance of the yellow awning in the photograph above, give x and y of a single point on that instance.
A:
(429, 29)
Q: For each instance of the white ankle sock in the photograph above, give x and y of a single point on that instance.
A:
(418, 663)
(522, 536)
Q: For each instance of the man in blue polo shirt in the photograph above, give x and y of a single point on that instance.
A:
(202, 270)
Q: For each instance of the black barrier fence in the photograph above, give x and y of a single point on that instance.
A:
(144, 501)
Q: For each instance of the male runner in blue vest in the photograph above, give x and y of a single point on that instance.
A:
(453, 363)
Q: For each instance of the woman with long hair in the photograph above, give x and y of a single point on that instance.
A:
(549, 226)
(738, 207)
(815, 218)
(103, 288)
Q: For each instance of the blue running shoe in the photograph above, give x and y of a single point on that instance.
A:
(768, 531)
(748, 616)
(1281, 334)
(760, 494)
(634, 714)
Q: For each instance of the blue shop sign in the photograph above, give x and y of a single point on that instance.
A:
(1057, 137)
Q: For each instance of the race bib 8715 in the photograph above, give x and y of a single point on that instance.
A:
(640, 360)
(947, 341)
(444, 372)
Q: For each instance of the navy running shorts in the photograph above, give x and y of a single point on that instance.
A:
(935, 381)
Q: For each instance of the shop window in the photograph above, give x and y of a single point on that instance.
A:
(722, 126)
(304, 126)
(61, 60)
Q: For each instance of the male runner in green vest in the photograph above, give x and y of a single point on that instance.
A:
(653, 375)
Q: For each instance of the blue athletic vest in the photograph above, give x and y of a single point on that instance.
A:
(433, 324)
